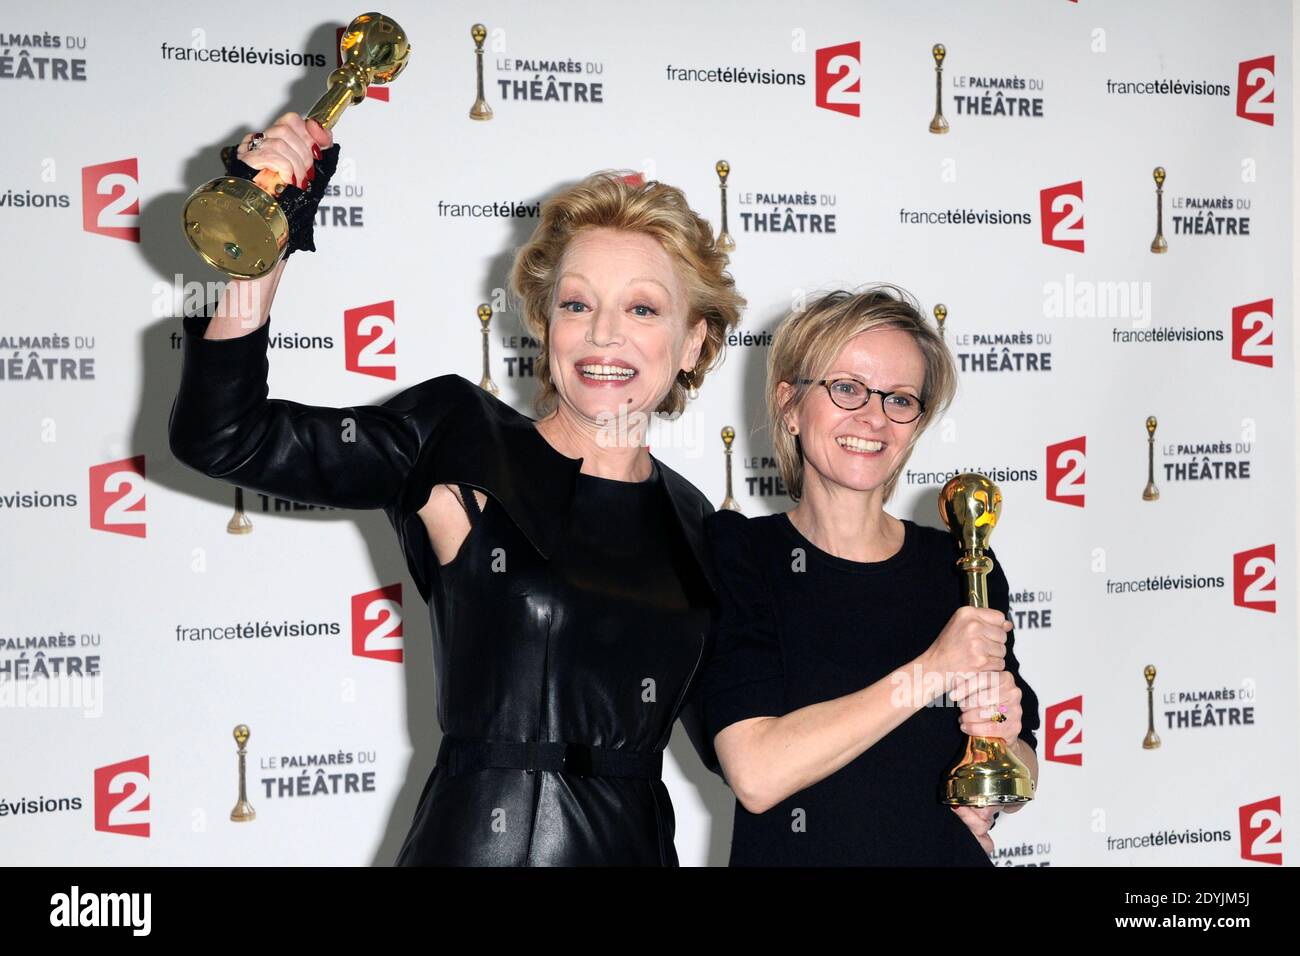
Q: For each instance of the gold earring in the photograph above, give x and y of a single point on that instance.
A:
(692, 390)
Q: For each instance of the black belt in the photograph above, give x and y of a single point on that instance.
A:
(465, 755)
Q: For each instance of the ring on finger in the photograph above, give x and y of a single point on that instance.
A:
(256, 141)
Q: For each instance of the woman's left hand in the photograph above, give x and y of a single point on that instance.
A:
(978, 819)
(997, 692)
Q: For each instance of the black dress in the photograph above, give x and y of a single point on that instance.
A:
(568, 629)
(799, 626)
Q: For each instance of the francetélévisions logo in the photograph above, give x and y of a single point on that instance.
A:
(199, 51)
(1254, 96)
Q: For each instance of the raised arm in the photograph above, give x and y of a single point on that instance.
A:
(224, 425)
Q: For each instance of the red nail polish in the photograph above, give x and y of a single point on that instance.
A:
(315, 150)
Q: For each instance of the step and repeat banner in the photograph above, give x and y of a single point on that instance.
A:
(1094, 200)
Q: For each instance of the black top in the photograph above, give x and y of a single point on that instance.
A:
(599, 644)
(568, 630)
(800, 626)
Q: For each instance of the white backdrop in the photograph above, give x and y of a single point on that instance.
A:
(1031, 221)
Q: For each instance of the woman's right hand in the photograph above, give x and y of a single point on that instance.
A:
(973, 640)
(291, 147)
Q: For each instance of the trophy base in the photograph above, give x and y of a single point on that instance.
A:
(980, 790)
(989, 774)
(236, 226)
(239, 525)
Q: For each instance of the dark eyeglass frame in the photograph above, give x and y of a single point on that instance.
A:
(884, 397)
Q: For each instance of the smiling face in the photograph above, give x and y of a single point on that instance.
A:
(858, 450)
(618, 327)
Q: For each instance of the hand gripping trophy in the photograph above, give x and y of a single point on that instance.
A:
(238, 225)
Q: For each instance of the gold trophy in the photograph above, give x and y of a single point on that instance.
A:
(1158, 244)
(940, 313)
(486, 383)
(236, 224)
(480, 110)
(1151, 492)
(1152, 740)
(243, 811)
(728, 436)
(723, 169)
(239, 523)
(988, 773)
(938, 124)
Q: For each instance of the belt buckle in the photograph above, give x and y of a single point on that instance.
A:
(577, 760)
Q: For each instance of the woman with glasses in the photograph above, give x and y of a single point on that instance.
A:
(844, 631)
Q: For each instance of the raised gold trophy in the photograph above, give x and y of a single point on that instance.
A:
(243, 811)
(938, 124)
(729, 503)
(1159, 243)
(724, 241)
(236, 224)
(988, 773)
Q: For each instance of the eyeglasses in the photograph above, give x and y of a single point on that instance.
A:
(850, 395)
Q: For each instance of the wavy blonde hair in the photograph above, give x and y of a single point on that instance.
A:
(809, 340)
(608, 199)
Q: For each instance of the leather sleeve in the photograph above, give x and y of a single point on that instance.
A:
(224, 425)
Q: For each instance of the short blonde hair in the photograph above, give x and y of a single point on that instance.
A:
(810, 339)
(608, 199)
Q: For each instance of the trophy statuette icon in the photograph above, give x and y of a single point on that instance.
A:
(243, 811)
(1151, 492)
(724, 240)
(239, 523)
(940, 316)
(484, 312)
(988, 772)
(1152, 739)
(480, 110)
(729, 503)
(939, 124)
(237, 225)
(1159, 244)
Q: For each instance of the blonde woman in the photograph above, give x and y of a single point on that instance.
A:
(564, 567)
(835, 613)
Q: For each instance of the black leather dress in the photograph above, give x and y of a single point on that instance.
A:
(568, 631)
